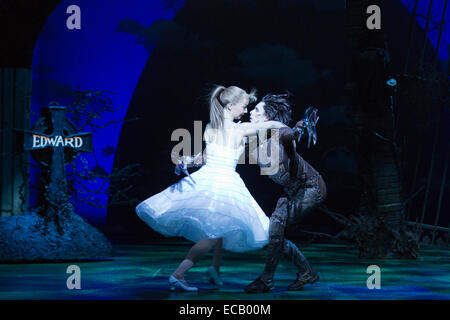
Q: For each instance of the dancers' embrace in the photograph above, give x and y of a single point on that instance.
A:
(213, 207)
(217, 209)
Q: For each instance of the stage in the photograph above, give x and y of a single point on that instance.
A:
(141, 272)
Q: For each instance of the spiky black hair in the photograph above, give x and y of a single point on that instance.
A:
(278, 107)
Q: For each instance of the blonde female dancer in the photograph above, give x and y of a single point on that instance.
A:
(213, 205)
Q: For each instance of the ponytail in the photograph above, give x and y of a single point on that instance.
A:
(216, 108)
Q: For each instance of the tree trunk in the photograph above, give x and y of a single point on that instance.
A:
(380, 229)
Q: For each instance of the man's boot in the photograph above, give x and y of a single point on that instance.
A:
(302, 279)
(306, 273)
(260, 285)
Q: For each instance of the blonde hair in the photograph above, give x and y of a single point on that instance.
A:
(220, 97)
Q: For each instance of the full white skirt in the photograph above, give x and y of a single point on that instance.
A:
(217, 205)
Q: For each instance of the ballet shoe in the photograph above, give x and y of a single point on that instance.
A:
(213, 276)
(174, 284)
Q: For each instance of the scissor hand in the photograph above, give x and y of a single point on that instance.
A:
(308, 122)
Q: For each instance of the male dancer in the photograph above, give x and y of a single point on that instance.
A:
(303, 188)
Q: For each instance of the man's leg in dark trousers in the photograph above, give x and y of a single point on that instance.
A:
(277, 230)
(293, 254)
(298, 208)
(264, 282)
(306, 274)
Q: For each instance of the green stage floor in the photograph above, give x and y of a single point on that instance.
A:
(141, 272)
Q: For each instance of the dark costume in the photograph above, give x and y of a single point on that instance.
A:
(303, 188)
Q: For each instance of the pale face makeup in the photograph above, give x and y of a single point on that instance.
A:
(258, 114)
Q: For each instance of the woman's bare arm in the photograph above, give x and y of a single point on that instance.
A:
(251, 129)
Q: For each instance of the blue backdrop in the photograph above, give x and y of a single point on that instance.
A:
(98, 57)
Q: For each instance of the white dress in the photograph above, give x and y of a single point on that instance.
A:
(217, 205)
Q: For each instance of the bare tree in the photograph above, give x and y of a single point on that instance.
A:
(88, 109)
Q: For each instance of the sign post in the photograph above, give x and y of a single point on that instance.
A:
(55, 132)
